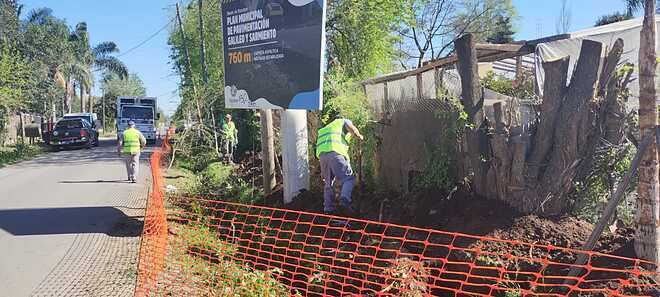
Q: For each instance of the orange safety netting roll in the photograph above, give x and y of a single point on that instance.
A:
(206, 247)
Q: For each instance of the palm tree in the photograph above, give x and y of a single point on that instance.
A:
(97, 58)
(633, 6)
(67, 76)
(63, 68)
(646, 241)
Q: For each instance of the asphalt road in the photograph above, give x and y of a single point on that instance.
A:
(70, 224)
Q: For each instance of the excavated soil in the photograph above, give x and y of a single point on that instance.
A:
(467, 214)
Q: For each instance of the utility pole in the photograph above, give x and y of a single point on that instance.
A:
(205, 68)
(103, 111)
(268, 150)
(188, 64)
(647, 241)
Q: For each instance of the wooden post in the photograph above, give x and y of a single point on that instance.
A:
(420, 87)
(268, 150)
(518, 68)
(468, 69)
(22, 122)
(647, 241)
(472, 99)
(437, 78)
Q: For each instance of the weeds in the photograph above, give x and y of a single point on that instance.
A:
(17, 153)
(410, 278)
(207, 262)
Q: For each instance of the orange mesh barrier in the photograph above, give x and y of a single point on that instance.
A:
(213, 248)
(154, 236)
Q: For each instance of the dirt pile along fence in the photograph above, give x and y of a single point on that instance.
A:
(202, 247)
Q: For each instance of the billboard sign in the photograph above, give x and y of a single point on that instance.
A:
(273, 53)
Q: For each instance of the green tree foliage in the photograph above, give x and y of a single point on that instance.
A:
(211, 96)
(438, 23)
(360, 35)
(505, 32)
(521, 89)
(8, 19)
(42, 59)
(612, 18)
(15, 80)
(97, 58)
(632, 6)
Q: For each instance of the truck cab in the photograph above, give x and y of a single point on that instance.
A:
(142, 111)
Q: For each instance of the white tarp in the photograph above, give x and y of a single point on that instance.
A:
(607, 35)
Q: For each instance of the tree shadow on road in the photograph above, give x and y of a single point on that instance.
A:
(94, 182)
(72, 220)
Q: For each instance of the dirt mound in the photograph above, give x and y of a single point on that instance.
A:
(566, 232)
(464, 213)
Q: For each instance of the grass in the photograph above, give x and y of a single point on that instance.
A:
(215, 179)
(208, 269)
(182, 179)
(17, 153)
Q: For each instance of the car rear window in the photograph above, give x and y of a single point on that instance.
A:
(69, 124)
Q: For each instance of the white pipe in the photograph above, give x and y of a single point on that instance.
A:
(295, 158)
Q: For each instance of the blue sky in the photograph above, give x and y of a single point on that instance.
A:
(129, 22)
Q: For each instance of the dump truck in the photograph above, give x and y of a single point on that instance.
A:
(142, 111)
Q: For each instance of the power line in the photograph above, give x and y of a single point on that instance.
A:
(146, 40)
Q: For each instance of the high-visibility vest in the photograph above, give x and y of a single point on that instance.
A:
(333, 139)
(229, 130)
(131, 141)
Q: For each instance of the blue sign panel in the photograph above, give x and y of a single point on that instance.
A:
(273, 53)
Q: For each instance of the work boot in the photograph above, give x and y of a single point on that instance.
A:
(347, 210)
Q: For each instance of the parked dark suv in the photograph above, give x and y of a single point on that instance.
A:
(91, 118)
(73, 133)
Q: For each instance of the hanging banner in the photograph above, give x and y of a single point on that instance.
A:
(273, 53)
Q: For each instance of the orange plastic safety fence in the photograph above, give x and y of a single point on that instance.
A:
(154, 235)
(207, 247)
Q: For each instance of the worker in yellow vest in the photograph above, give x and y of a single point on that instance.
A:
(230, 136)
(332, 151)
(130, 144)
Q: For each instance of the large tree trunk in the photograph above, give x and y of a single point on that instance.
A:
(68, 95)
(90, 101)
(535, 173)
(554, 91)
(648, 205)
(472, 100)
(82, 98)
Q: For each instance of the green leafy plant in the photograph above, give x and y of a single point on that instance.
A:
(522, 88)
(440, 171)
(19, 152)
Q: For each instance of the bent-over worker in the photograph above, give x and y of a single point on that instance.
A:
(130, 144)
(332, 151)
